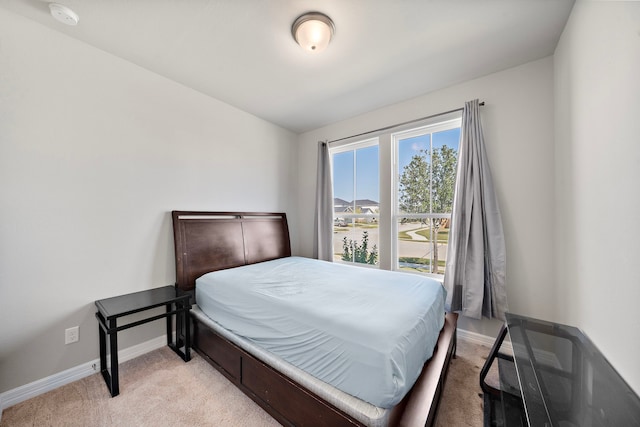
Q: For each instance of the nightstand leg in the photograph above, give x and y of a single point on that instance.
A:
(170, 326)
(103, 343)
(103, 330)
(113, 350)
(187, 331)
(183, 333)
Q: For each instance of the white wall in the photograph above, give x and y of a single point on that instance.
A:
(94, 154)
(597, 69)
(518, 129)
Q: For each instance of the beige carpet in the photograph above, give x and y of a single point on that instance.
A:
(159, 389)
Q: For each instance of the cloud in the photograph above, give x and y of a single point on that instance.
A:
(417, 146)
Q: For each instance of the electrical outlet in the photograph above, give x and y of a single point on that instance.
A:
(71, 335)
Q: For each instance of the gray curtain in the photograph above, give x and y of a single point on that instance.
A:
(323, 230)
(476, 260)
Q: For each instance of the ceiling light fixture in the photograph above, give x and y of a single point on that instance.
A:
(63, 14)
(313, 31)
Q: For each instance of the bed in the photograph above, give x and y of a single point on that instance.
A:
(207, 242)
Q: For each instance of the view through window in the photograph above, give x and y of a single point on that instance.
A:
(426, 171)
(356, 208)
(419, 199)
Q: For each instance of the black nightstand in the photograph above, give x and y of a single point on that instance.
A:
(110, 309)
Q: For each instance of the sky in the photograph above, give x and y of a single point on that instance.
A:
(367, 166)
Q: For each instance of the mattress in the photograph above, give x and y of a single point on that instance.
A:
(367, 332)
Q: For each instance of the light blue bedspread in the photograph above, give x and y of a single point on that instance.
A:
(367, 332)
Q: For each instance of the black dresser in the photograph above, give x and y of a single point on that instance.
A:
(555, 377)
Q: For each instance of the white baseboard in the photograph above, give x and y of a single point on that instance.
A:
(36, 388)
(485, 340)
(542, 356)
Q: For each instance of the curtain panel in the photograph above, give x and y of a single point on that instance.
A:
(323, 229)
(476, 260)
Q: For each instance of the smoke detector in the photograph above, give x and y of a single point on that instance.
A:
(63, 14)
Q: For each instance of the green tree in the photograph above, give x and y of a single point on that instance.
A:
(427, 185)
(414, 185)
(359, 252)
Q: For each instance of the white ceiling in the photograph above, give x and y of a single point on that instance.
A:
(384, 51)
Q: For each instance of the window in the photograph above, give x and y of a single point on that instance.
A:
(426, 168)
(393, 197)
(356, 208)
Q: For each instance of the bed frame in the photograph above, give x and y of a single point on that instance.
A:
(211, 241)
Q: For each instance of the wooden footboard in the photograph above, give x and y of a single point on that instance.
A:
(293, 405)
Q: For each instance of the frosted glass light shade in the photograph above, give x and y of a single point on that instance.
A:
(313, 31)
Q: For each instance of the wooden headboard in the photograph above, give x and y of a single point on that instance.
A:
(211, 241)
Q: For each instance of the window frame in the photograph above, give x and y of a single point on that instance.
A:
(396, 137)
(389, 181)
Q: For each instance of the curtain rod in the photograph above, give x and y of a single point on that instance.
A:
(399, 124)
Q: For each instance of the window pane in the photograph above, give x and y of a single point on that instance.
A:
(444, 164)
(427, 167)
(343, 177)
(449, 137)
(414, 158)
(367, 179)
(417, 247)
(356, 240)
(356, 207)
